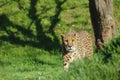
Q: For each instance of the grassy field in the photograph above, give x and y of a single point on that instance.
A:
(28, 63)
(30, 41)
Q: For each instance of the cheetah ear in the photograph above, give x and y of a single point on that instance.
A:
(62, 36)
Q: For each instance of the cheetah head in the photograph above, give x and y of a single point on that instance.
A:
(69, 42)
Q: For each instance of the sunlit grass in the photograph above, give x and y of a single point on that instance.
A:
(22, 60)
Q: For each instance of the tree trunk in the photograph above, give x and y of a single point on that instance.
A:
(101, 12)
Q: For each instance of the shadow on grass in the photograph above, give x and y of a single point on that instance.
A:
(12, 37)
(111, 48)
(37, 61)
(42, 41)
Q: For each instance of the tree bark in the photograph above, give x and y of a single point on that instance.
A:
(101, 12)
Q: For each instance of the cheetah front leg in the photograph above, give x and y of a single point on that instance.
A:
(67, 60)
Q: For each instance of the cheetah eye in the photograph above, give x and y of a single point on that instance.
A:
(66, 40)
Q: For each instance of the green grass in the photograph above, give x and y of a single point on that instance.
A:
(30, 41)
(28, 63)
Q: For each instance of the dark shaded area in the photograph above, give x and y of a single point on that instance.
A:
(109, 49)
(55, 20)
(43, 41)
(12, 37)
(4, 21)
(2, 64)
(37, 61)
(95, 19)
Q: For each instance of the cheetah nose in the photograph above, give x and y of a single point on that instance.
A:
(69, 46)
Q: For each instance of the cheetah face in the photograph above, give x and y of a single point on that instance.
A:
(69, 42)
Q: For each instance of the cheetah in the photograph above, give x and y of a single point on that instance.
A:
(76, 45)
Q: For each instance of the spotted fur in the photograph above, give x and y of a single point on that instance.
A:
(76, 45)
